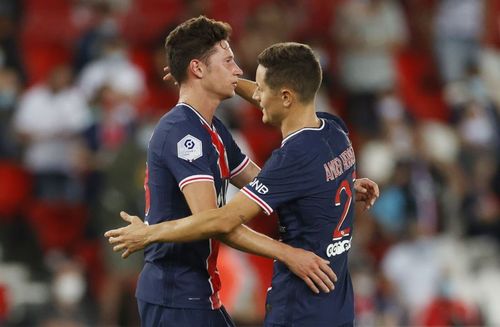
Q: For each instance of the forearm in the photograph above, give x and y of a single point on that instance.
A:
(200, 226)
(245, 89)
(247, 240)
(246, 176)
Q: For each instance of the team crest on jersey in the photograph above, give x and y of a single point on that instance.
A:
(189, 148)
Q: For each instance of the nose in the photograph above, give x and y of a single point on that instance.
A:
(238, 71)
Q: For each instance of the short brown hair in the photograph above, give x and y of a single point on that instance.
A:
(293, 65)
(193, 39)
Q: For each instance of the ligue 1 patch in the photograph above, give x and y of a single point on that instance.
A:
(189, 148)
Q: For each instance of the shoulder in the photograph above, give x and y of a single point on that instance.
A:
(174, 126)
(219, 125)
(176, 122)
(290, 154)
(333, 120)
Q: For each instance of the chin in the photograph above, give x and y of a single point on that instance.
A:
(265, 119)
(228, 96)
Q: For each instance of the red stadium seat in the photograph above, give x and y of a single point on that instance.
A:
(15, 189)
(40, 60)
(58, 225)
(423, 98)
(4, 308)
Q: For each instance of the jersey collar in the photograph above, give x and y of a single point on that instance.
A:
(203, 121)
(302, 130)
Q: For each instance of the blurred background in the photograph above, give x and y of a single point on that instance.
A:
(417, 81)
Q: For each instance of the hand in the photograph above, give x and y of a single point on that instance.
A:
(168, 76)
(366, 191)
(312, 269)
(131, 238)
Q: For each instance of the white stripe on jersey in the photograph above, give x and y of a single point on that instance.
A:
(195, 178)
(267, 209)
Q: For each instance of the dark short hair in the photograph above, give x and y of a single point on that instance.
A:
(193, 39)
(293, 65)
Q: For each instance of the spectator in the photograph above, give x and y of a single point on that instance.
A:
(458, 27)
(49, 121)
(113, 68)
(368, 35)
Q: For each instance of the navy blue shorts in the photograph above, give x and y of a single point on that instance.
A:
(153, 315)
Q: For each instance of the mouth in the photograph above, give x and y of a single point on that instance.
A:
(235, 84)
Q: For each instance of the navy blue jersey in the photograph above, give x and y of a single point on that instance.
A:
(185, 149)
(309, 182)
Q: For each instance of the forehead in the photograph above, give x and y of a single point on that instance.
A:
(260, 74)
(223, 49)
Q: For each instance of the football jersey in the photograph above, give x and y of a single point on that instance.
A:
(309, 182)
(185, 149)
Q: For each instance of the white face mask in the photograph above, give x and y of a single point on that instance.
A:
(69, 288)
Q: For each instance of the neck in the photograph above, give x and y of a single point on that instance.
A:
(199, 100)
(300, 116)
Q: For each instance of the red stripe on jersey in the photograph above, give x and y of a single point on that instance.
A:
(221, 150)
(146, 190)
(214, 279)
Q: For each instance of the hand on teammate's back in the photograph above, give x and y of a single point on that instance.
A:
(312, 269)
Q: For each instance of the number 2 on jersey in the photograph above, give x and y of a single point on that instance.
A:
(344, 187)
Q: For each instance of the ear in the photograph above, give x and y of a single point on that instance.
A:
(196, 67)
(287, 97)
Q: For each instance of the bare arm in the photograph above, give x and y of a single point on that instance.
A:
(246, 176)
(225, 224)
(246, 89)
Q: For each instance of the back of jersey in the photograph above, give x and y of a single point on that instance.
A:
(309, 181)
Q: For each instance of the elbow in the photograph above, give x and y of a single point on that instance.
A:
(224, 223)
(226, 227)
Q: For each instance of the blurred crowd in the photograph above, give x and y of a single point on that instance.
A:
(417, 81)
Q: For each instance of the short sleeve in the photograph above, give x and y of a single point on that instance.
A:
(282, 179)
(185, 153)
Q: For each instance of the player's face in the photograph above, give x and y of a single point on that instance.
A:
(270, 100)
(222, 71)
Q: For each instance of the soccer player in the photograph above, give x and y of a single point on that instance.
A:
(191, 159)
(309, 180)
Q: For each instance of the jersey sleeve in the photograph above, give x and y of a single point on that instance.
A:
(282, 179)
(185, 153)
